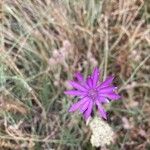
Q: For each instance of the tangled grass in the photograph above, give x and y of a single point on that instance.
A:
(44, 42)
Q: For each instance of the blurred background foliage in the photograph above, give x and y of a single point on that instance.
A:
(44, 42)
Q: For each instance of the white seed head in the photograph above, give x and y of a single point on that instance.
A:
(102, 133)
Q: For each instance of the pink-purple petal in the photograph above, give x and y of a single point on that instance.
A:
(78, 104)
(84, 107)
(107, 89)
(95, 76)
(86, 86)
(89, 82)
(102, 112)
(112, 96)
(77, 86)
(103, 99)
(88, 112)
(79, 76)
(107, 82)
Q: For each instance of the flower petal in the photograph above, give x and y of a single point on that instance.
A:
(89, 82)
(87, 113)
(95, 76)
(75, 93)
(77, 86)
(103, 99)
(78, 104)
(107, 82)
(102, 112)
(79, 76)
(112, 96)
(84, 107)
(107, 89)
(86, 85)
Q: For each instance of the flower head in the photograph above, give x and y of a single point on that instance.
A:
(102, 133)
(92, 92)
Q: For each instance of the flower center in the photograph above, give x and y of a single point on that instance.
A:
(93, 94)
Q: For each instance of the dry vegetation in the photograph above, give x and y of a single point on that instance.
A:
(43, 42)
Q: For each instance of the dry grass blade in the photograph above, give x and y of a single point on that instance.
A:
(13, 106)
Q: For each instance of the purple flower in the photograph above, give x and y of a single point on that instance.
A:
(92, 92)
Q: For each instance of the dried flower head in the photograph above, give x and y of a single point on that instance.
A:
(61, 55)
(102, 133)
(92, 92)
